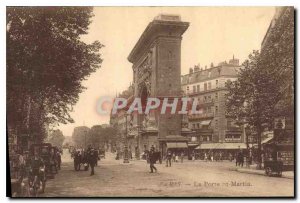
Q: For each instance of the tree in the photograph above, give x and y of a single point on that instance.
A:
(277, 58)
(56, 138)
(101, 136)
(251, 99)
(265, 86)
(46, 63)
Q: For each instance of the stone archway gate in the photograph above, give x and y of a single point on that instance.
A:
(156, 69)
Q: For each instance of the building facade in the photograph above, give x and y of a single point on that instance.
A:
(207, 86)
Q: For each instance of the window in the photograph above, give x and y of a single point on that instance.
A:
(216, 124)
(217, 83)
(231, 123)
(187, 88)
(237, 137)
(198, 125)
(205, 98)
(216, 95)
(205, 138)
(205, 86)
(209, 85)
(216, 109)
(194, 89)
(209, 74)
(194, 125)
(230, 138)
(198, 88)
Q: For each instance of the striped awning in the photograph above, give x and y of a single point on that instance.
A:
(268, 139)
(206, 122)
(222, 146)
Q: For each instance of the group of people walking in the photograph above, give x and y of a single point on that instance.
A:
(170, 157)
(87, 158)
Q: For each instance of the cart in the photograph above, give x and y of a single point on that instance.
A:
(279, 157)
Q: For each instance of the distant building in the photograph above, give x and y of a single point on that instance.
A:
(79, 136)
(279, 12)
(212, 125)
(123, 122)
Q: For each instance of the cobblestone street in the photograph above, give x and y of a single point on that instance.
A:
(202, 179)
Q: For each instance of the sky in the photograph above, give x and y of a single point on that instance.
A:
(215, 34)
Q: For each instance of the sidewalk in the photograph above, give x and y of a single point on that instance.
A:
(253, 170)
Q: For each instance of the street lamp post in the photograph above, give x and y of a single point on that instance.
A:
(138, 143)
(126, 160)
(84, 139)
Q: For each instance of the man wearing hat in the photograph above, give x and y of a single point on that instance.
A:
(92, 159)
(152, 159)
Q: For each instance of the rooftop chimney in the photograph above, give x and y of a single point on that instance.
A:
(234, 61)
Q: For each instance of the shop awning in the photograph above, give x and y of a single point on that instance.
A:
(176, 145)
(233, 146)
(206, 122)
(208, 146)
(192, 144)
(222, 146)
(268, 139)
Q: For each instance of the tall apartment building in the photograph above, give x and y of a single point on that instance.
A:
(207, 85)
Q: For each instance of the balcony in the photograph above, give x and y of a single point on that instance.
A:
(234, 129)
(200, 116)
(204, 131)
(232, 139)
(192, 93)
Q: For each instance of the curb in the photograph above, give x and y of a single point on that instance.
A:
(259, 172)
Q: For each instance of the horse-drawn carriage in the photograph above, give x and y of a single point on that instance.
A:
(279, 157)
(39, 169)
(44, 151)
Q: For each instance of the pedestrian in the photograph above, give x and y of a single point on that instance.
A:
(236, 159)
(230, 157)
(168, 158)
(205, 156)
(58, 158)
(181, 157)
(240, 159)
(92, 159)
(212, 157)
(176, 158)
(173, 157)
(152, 160)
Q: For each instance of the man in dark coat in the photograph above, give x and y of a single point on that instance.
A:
(92, 159)
(58, 158)
(152, 159)
(168, 158)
